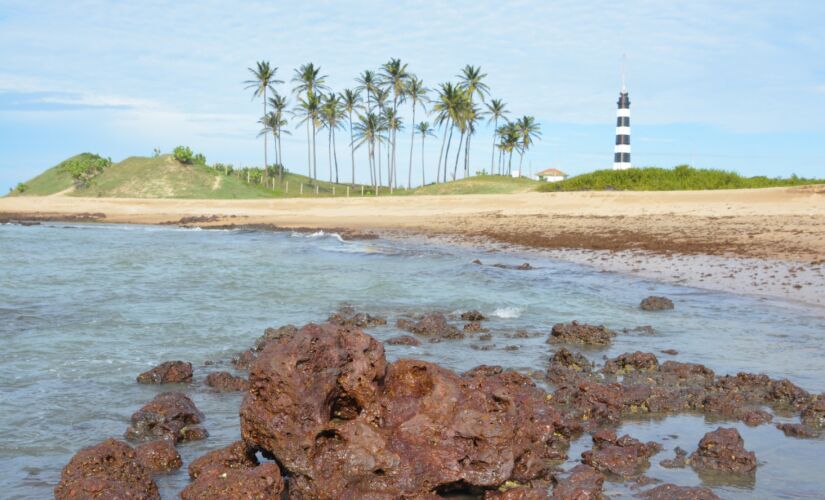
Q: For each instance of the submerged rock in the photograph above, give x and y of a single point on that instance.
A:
(168, 372)
(106, 470)
(723, 450)
(814, 414)
(344, 423)
(623, 457)
(677, 462)
(263, 481)
(170, 415)
(226, 382)
(158, 456)
(403, 340)
(654, 303)
(673, 492)
(581, 333)
(433, 325)
(797, 430)
(348, 317)
(244, 359)
(636, 361)
(472, 316)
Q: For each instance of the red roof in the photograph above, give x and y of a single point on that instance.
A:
(552, 172)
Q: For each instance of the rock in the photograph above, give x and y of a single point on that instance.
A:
(345, 424)
(624, 457)
(275, 334)
(261, 482)
(403, 340)
(813, 414)
(244, 359)
(518, 493)
(576, 333)
(107, 470)
(226, 382)
(784, 392)
(670, 352)
(168, 372)
(678, 462)
(524, 267)
(723, 450)
(235, 456)
(654, 303)
(158, 456)
(485, 337)
(472, 316)
(170, 415)
(583, 483)
(474, 327)
(797, 430)
(644, 330)
(566, 365)
(636, 361)
(348, 317)
(672, 492)
(432, 325)
(756, 417)
(477, 262)
(511, 348)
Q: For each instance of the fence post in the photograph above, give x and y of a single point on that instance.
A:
(333, 190)
(316, 190)
(347, 191)
(302, 188)
(287, 187)
(362, 190)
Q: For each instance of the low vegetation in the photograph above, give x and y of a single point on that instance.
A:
(681, 178)
(84, 167)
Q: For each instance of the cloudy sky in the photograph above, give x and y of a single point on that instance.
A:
(726, 84)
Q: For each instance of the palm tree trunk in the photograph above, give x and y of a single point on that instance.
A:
(493, 149)
(412, 144)
(378, 167)
(457, 154)
(280, 155)
(510, 164)
(335, 155)
(467, 156)
(329, 151)
(352, 148)
(423, 182)
(441, 153)
(265, 134)
(309, 153)
(447, 154)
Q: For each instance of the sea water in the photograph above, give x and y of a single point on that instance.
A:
(84, 308)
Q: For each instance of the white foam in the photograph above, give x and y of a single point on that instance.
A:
(508, 312)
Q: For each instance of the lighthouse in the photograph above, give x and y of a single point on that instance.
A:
(621, 153)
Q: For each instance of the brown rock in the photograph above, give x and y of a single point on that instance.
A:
(348, 317)
(518, 493)
(244, 359)
(158, 456)
(168, 372)
(472, 316)
(432, 325)
(583, 483)
(107, 470)
(170, 415)
(403, 340)
(581, 333)
(723, 450)
(273, 335)
(235, 456)
(261, 482)
(474, 327)
(672, 492)
(226, 382)
(654, 303)
(624, 457)
(677, 462)
(813, 414)
(797, 430)
(635, 361)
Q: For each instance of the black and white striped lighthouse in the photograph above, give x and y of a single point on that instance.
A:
(621, 154)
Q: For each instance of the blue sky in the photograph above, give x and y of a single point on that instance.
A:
(726, 84)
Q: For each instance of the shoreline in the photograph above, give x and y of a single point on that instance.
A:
(765, 242)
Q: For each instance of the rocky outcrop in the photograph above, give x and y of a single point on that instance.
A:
(623, 457)
(171, 416)
(348, 317)
(581, 333)
(434, 326)
(583, 482)
(226, 382)
(261, 482)
(403, 340)
(168, 372)
(723, 450)
(158, 457)
(107, 470)
(472, 316)
(654, 303)
(344, 423)
(673, 492)
(237, 455)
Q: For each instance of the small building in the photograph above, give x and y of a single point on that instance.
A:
(551, 175)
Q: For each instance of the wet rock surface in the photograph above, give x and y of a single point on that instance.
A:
(168, 372)
(518, 493)
(226, 382)
(623, 457)
(679, 461)
(171, 416)
(434, 326)
(261, 482)
(813, 414)
(581, 333)
(403, 340)
(106, 470)
(158, 457)
(583, 482)
(674, 492)
(723, 450)
(655, 303)
(797, 430)
(237, 455)
(627, 362)
(344, 423)
(348, 317)
(472, 316)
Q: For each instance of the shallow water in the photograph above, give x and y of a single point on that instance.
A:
(85, 308)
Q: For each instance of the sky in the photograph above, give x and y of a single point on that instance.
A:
(737, 85)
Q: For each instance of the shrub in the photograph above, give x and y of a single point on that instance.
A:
(183, 154)
(199, 159)
(21, 187)
(156, 153)
(85, 167)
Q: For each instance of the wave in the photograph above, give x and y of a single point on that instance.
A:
(508, 312)
(319, 234)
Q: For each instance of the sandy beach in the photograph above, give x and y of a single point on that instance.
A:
(767, 241)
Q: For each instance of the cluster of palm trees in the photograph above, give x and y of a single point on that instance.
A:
(371, 112)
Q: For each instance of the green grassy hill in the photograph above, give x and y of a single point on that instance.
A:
(681, 178)
(482, 184)
(52, 181)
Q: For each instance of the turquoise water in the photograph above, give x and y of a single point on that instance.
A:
(85, 308)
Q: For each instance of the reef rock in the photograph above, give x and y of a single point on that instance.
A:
(348, 317)
(170, 415)
(723, 450)
(261, 482)
(168, 372)
(672, 492)
(433, 325)
(226, 382)
(581, 333)
(158, 456)
(403, 340)
(624, 457)
(583, 483)
(472, 316)
(237, 455)
(654, 303)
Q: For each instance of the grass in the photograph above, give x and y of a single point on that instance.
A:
(681, 178)
(481, 184)
(49, 182)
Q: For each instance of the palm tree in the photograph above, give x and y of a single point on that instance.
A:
(472, 82)
(425, 131)
(393, 124)
(380, 95)
(367, 131)
(394, 77)
(279, 105)
(332, 113)
(529, 131)
(309, 108)
(445, 107)
(351, 99)
(263, 78)
(417, 93)
(472, 116)
(495, 109)
(309, 82)
(510, 140)
(367, 83)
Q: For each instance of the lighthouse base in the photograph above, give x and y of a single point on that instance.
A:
(622, 166)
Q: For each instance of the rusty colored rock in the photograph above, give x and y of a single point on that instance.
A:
(624, 457)
(472, 316)
(797, 430)
(583, 483)
(348, 317)
(723, 450)
(106, 470)
(403, 340)
(226, 382)
(632, 361)
(158, 456)
(433, 325)
(237, 455)
(581, 333)
(677, 462)
(244, 359)
(673, 492)
(170, 415)
(261, 482)
(275, 334)
(814, 414)
(474, 327)
(518, 493)
(168, 372)
(654, 303)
